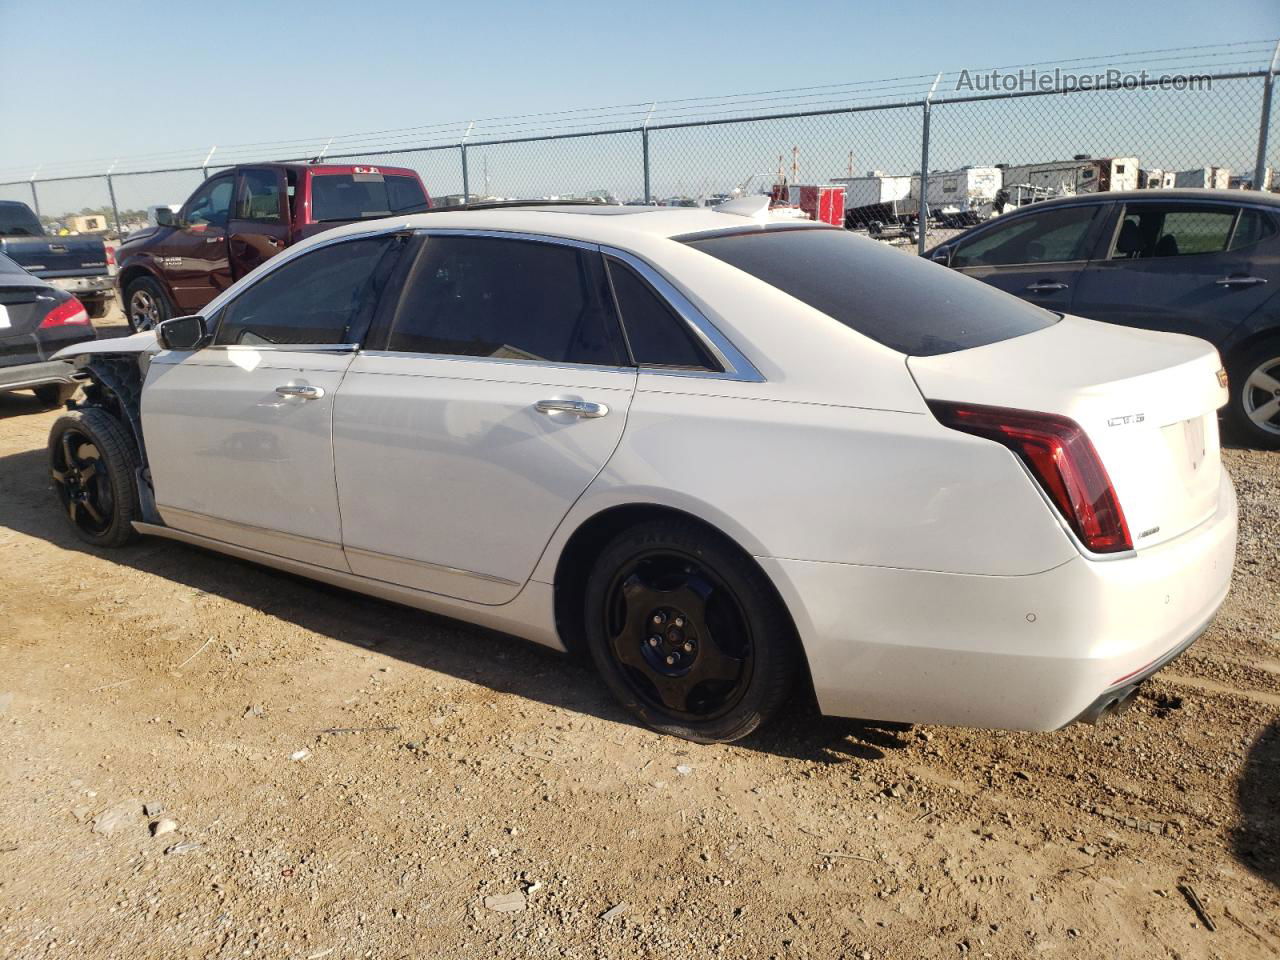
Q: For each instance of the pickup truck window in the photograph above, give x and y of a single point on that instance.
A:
(17, 221)
(359, 196)
(259, 198)
(211, 203)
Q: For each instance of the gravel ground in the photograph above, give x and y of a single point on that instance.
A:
(345, 778)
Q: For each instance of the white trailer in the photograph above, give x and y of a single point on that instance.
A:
(1213, 178)
(969, 190)
(1156, 179)
(875, 187)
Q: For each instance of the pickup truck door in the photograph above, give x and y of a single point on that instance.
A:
(194, 256)
(239, 432)
(259, 226)
(498, 393)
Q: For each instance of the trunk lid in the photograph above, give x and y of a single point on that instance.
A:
(1147, 400)
(24, 303)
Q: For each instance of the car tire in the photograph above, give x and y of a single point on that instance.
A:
(688, 633)
(55, 394)
(94, 467)
(146, 305)
(1251, 399)
(96, 307)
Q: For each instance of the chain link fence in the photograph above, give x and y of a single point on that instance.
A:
(982, 153)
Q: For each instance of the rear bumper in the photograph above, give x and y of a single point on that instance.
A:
(94, 286)
(37, 375)
(1030, 653)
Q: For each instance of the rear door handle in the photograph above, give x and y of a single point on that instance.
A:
(304, 392)
(1047, 286)
(1239, 280)
(583, 409)
(212, 239)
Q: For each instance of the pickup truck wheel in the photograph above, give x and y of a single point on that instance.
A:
(55, 394)
(146, 304)
(96, 307)
(93, 465)
(1254, 408)
(688, 633)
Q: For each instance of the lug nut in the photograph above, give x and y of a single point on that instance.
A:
(671, 660)
(658, 617)
(654, 641)
(679, 621)
(688, 647)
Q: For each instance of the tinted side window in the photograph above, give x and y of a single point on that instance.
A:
(904, 302)
(259, 198)
(1051, 236)
(1254, 227)
(513, 299)
(211, 204)
(1166, 230)
(658, 336)
(321, 297)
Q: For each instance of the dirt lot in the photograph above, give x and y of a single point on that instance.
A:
(352, 779)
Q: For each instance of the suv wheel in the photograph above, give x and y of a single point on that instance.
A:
(1255, 395)
(146, 304)
(93, 465)
(688, 633)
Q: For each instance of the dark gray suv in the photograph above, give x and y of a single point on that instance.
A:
(1201, 262)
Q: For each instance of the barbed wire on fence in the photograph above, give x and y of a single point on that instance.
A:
(688, 149)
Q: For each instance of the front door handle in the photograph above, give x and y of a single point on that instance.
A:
(584, 409)
(212, 239)
(1047, 286)
(1240, 280)
(303, 392)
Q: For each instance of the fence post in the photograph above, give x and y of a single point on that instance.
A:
(1264, 124)
(115, 211)
(466, 184)
(644, 144)
(204, 167)
(922, 208)
(35, 197)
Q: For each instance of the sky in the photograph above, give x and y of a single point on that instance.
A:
(126, 78)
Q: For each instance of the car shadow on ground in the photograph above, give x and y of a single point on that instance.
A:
(20, 403)
(1256, 840)
(502, 663)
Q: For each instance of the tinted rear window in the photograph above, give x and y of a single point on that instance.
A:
(898, 299)
(8, 266)
(17, 220)
(362, 196)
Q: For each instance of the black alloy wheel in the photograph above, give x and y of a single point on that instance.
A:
(688, 633)
(93, 464)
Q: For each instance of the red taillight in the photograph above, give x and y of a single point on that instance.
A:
(69, 314)
(1060, 455)
(111, 254)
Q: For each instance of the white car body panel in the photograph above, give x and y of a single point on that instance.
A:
(450, 480)
(929, 576)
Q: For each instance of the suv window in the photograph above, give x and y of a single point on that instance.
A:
(904, 302)
(1172, 230)
(658, 336)
(259, 198)
(513, 299)
(211, 203)
(320, 297)
(1254, 227)
(1048, 236)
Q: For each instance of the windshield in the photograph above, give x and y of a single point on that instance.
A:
(898, 299)
(17, 220)
(364, 196)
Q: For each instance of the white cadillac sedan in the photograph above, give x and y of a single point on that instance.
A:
(719, 453)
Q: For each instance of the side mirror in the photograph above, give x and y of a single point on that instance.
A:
(943, 256)
(182, 333)
(166, 217)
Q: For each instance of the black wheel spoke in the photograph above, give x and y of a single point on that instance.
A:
(91, 509)
(672, 691)
(71, 509)
(715, 664)
(59, 476)
(88, 471)
(68, 451)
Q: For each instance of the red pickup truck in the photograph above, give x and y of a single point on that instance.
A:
(238, 218)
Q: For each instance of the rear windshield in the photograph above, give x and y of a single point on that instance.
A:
(16, 220)
(898, 299)
(364, 196)
(8, 266)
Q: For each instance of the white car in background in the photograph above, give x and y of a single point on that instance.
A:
(718, 452)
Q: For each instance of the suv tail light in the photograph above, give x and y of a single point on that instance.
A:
(1061, 457)
(111, 254)
(68, 314)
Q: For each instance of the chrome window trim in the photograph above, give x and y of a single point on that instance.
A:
(733, 364)
(500, 234)
(511, 361)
